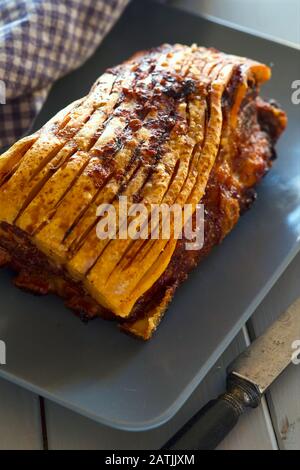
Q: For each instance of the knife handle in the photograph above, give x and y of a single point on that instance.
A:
(214, 422)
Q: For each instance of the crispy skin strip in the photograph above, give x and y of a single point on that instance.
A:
(12, 157)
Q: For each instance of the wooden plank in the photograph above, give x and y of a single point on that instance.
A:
(283, 398)
(254, 432)
(68, 430)
(20, 427)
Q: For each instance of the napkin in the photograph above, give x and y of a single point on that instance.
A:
(40, 41)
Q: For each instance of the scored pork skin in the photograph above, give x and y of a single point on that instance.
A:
(175, 124)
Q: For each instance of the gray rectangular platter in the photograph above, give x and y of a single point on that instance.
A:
(114, 379)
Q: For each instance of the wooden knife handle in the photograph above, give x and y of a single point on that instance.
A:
(214, 422)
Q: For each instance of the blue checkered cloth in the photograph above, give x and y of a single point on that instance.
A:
(40, 41)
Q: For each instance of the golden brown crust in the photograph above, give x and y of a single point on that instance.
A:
(175, 124)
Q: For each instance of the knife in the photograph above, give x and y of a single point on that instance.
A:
(249, 377)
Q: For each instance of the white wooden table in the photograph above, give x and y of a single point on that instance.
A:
(276, 424)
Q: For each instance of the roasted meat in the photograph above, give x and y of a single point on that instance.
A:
(173, 125)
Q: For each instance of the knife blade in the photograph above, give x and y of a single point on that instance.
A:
(249, 377)
(271, 353)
